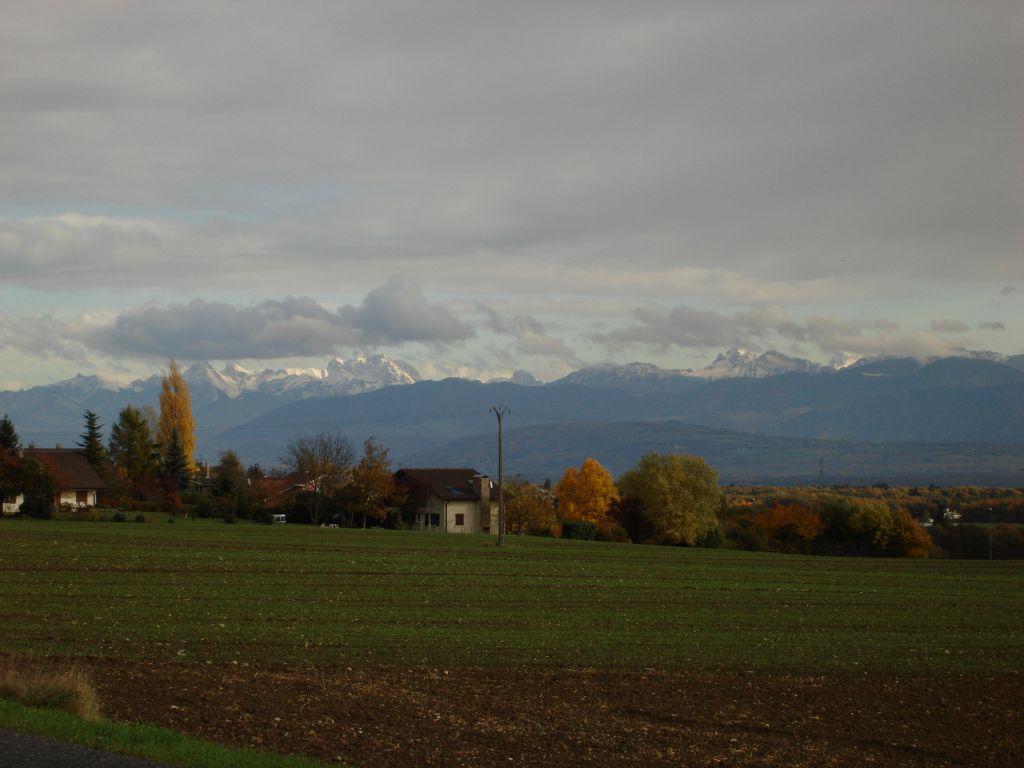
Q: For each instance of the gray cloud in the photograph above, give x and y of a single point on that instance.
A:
(200, 330)
(393, 314)
(863, 157)
(949, 326)
(992, 325)
(40, 336)
(397, 312)
(870, 138)
(530, 336)
(686, 327)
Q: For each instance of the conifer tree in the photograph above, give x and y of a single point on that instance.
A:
(176, 415)
(8, 436)
(131, 445)
(92, 441)
(173, 466)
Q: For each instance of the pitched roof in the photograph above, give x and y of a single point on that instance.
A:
(447, 484)
(69, 469)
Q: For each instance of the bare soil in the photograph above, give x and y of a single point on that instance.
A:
(416, 717)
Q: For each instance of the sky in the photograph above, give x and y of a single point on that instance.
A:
(478, 187)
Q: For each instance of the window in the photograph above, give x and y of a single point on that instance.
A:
(460, 518)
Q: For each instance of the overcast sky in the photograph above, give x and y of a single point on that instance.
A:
(477, 187)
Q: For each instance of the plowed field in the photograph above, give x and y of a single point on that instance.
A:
(391, 717)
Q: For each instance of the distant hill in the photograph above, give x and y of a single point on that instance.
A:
(540, 452)
(427, 414)
(976, 398)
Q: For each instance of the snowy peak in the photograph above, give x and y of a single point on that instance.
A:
(744, 364)
(359, 374)
(842, 360)
(362, 373)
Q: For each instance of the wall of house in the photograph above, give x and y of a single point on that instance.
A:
(470, 512)
(12, 506)
(74, 498)
(446, 513)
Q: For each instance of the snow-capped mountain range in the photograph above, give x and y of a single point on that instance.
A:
(357, 374)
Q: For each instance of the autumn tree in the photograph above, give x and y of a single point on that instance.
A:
(176, 415)
(861, 526)
(677, 494)
(373, 487)
(528, 509)
(132, 448)
(92, 441)
(8, 435)
(790, 527)
(322, 463)
(587, 494)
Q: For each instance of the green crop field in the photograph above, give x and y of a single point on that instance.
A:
(204, 591)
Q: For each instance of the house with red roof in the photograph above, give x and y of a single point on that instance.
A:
(75, 481)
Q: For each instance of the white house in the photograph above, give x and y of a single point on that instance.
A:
(450, 500)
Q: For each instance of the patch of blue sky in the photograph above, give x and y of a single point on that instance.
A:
(250, 203)
(19, 300)
(107, 211)
(257, 202)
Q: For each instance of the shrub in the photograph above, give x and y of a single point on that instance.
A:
(231, 517)
(119, 517)
(140, 518)
(39, 507)
(711, 538)
(67, 689)
(582, 530)
(83, 514)
(206, 507)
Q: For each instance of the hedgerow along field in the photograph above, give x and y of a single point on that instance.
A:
(199, 591)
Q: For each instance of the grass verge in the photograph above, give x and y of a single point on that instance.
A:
(144, 741)
(67, 689)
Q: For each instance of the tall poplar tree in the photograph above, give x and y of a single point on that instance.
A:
(176, 415)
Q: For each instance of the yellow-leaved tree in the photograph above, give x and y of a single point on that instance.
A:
(176, 415)
(587, 494)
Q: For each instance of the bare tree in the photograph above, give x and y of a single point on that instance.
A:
(323, 463)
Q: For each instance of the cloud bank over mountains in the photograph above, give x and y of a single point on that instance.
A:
(551, 183)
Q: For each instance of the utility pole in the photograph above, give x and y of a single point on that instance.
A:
(500, 411)
(990, 533)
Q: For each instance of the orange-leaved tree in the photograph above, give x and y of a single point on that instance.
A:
(587, 494)
(176, 415)
(791, 527)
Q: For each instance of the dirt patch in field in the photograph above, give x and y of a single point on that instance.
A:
(389, 717)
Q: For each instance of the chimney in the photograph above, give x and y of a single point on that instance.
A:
(482, 488)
